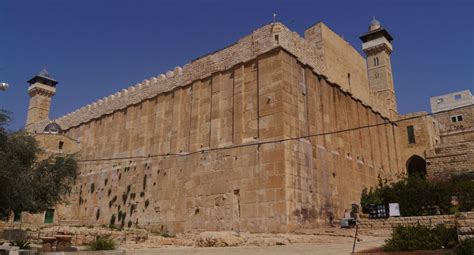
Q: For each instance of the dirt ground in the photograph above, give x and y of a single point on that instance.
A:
(314, 243)
(343, 247)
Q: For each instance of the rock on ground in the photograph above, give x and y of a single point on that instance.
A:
(219, 239)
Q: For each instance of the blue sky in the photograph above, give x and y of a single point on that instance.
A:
(97, 47)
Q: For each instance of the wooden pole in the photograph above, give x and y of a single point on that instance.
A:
(355, 238)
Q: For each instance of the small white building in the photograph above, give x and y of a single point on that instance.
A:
(451, 101)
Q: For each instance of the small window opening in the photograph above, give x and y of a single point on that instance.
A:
(439, 100)
(457, 97)
(277, 38)
(49, 216)
(61, 144)
(457, 118)
(411, 135)
(349, 78)
(16, 216)
(376, 61)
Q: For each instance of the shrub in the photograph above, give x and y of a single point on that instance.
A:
(418, 237)
(417, 196)
(112, 221)
(465, 247)
(462, 186)
(22, 244)
(102, 243)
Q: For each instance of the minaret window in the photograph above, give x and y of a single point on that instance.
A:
(411, 134)
(376, 61)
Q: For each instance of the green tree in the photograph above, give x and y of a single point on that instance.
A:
(27, 183)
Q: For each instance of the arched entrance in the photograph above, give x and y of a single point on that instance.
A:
(416, 167)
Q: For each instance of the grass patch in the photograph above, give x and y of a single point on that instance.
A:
(101, 243)
(22, 244)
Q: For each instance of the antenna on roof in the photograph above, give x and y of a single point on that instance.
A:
(44, 71)
(274, 17)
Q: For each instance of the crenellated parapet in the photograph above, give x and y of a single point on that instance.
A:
(262, 40)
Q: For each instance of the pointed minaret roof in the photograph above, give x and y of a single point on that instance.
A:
(375, 24)
(375, 31)
(43, 77)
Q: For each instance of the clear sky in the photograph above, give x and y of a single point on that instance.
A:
(97, 47)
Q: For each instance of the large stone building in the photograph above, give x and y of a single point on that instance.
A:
(440, 144)
(273, 133)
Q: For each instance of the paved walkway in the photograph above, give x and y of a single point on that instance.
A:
(337, 246)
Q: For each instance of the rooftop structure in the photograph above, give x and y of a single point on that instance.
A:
(451, 101)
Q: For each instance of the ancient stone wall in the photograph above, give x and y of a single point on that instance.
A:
(343, 64)
(258, 137)
(262, 40)
(39, 105)
(54, 143)
(450, 159)
(255, 148)
(464, 222)
(446, 146)
(182, 161)
(328, 171)
(467, 113)
(460, 130)
(393, 222)
(426, 134)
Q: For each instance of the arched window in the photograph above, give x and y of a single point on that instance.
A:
(416, 167)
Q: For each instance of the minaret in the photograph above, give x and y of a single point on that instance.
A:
(41, 89)
(377, 45)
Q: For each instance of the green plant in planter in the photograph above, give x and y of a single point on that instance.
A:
(22, 244)
(102, 243)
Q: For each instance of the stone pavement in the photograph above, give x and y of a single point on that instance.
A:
(333, 246)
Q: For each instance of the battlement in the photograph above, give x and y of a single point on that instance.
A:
(262, 40)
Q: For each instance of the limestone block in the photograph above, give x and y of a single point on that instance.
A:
(169, 74)
(178, 71)
(219, 239)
